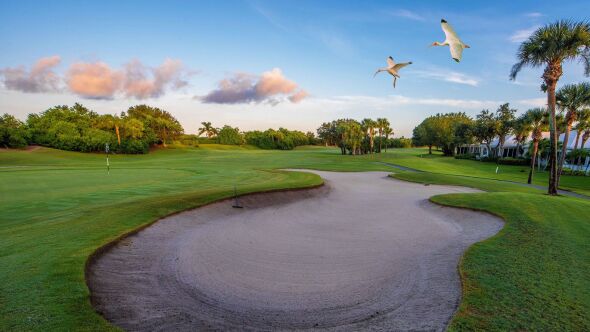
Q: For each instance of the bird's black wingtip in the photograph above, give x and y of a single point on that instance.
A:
(442, 20)
(410, 62)
(456, 59)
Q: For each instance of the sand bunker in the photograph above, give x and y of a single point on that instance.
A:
(364, 252)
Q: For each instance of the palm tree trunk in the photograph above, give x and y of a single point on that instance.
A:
(575, 145)
(566, 137)
(533, 157)
(582, 148)
(552, 188)
(380, 137)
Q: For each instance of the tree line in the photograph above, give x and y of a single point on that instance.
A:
(76, 128)
(450, 130)
(281, 139)
(354, 137)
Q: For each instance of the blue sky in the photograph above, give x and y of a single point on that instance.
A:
(328, 49)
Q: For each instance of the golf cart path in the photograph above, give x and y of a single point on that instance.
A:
(536, 186)
(362, 252)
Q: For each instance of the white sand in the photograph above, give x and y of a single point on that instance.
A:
(363, 253)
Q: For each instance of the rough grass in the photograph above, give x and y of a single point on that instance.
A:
(57, 207)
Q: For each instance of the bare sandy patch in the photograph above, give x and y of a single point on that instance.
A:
(364, 252)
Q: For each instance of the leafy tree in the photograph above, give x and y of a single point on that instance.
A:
(486, 128)
(13, 133)
(505, 121)
(424, 135)
(159, 125)
(230, 136)
(551, 46)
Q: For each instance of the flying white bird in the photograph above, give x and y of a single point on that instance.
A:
(455, 44)
(392, 68)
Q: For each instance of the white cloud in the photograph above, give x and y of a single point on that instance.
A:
(407, 14)
(522, 35)
(398, 100)
(533, 102)
(534, 14)
(447, 76)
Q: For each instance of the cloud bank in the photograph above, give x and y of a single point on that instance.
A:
(247, 88)
(97, 80)
(521, 35)
(41, 77)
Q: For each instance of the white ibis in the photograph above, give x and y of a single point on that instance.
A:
(452, 40)
(392, 68)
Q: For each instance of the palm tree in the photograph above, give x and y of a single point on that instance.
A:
(368, 126)
(537, 119)
(382, 123)
(585, 137)
(208, 129)
(583, 124)
(570, 98)
(387, 131)
(550, 46)
(521, 128)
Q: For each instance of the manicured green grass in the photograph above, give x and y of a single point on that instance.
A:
(57, 207)
(533, 275)
(420, 159)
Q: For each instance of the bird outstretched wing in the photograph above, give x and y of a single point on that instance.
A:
(448, 30)
(456, 51)
(401, 65)
(390, 62)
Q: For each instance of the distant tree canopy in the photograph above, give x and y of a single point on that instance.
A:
(445, 131)
(354, 137)
(282, 139)
(230, 136)
(13, 133)
(77, 128)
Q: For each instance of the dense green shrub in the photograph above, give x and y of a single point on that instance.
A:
(470, 156)
(189, 140)
(77, 128)
(281, 139)
(230, 136)
(401, 142)
(514, 161)
(13, 133)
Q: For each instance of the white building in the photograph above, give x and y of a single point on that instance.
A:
(512, 149)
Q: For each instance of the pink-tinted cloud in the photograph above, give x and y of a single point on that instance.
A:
(299, 96)
(143, 82)
(247, 88)
(93, 80)
(41, 77)
(98, 81)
